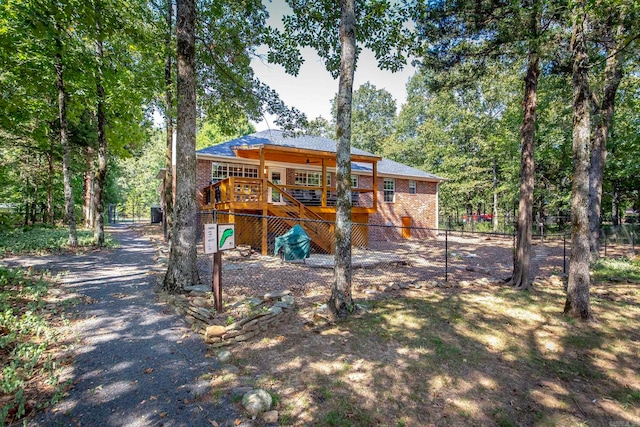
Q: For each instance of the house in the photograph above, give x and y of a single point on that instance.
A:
(270, 174)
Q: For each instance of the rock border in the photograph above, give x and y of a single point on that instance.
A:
(198, 311)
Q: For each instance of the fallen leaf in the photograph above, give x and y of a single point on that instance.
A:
(148, 370)
(163, 414)
(213, 423)
(153, 398)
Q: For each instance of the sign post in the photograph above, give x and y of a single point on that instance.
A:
(218, 238)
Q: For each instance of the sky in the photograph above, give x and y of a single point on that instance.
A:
(313, 89)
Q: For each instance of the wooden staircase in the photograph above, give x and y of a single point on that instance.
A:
(321, 232)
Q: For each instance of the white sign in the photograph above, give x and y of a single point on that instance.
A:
(210, 238)
(226, 236)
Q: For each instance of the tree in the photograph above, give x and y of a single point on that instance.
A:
(182, 270)
(603, 114)
(313, 24)
(373, 117)
(462, 38)
(577, 303)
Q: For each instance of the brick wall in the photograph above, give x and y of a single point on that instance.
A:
(203, 179)
(420, 207)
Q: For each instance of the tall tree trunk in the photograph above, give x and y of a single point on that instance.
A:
(577, 303)
(101, 171)
(341, 301)
(615, 206)
(603, 115)
(495, 195)
(168, 116)
(34, 203)
(522, 256)
(27, 202)
(182, 270)
(87, 207)
(70, 216)
(50, 211)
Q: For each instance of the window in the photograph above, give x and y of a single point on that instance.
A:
(218, 171)
(224, 170)
(389, 190)
(412, 187)
(308, 178)
(328, 179)
(354, 181)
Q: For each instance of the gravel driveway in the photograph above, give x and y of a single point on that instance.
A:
(137, 363)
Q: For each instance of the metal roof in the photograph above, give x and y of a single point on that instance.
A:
(318, 143)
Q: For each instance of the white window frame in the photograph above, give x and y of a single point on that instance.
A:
(223, 170)
(308, 178)
(413, 189)
(389, 190)
(355, 181)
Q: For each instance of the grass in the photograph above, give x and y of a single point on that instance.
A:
(465, 356)
(29, 377)
(617, 269)
(44, 239)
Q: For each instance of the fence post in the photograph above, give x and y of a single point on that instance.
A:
(564, 253)
(446, 255)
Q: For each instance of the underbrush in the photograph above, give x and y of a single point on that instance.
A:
(29, 370)
(45, 239)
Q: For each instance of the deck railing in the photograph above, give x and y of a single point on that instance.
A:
(248, 190)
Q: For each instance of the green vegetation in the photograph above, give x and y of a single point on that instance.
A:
(30, 373)
(44, 239)
(617, 269)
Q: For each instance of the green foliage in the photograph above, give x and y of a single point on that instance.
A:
(616, 270)
(373, 114)
(43, 239)
(211, 133)
(24, 342)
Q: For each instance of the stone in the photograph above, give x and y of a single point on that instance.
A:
(224, 356)
(230, 369)
(221, 344)
(215, 331)
(275, 310)
(370, 291)
(404, 286)
(395, 286)
(256, 402)
(282, 304)
(200, 302)
(288, 299)
(270, 417)
(244, 337)
(276, 294)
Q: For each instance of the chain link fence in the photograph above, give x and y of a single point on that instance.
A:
(383, 256)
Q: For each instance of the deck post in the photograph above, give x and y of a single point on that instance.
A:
(265, 230)
(375, 184)
(324, 182)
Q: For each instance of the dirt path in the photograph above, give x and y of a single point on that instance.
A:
(137, 364)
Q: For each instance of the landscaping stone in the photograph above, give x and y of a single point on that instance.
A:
(256, 402)
(270, 416)
(224, 356)
(276, 294)
(231, 369)
(289, 299)
(215, 331)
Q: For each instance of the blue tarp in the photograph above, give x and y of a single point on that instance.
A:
(295, 244)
